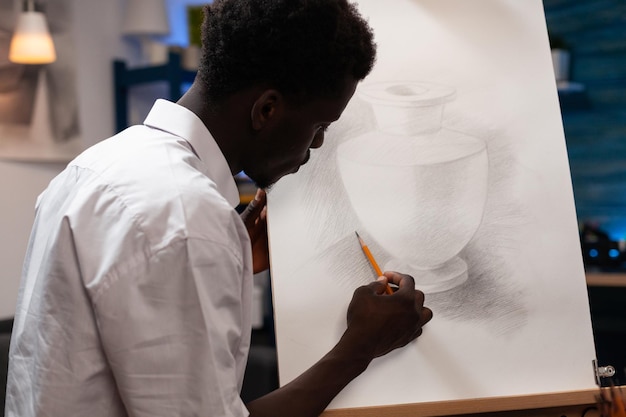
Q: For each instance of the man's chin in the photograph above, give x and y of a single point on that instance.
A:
(262, 183)
(267, 183)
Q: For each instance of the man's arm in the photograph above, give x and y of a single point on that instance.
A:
(377, 324)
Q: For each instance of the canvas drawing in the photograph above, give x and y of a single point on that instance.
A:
(39, 103)
(450, 162)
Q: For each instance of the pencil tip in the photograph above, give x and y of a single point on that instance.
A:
(357, 234)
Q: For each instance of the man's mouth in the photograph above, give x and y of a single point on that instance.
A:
(304, 161)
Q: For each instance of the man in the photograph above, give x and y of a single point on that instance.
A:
(136, 292)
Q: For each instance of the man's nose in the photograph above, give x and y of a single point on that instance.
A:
(318, 140)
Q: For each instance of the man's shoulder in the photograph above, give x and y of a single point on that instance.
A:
(158, 179)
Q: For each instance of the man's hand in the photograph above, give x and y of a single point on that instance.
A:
(379, 323)
(255, 219)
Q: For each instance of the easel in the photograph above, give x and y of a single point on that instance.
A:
(558, 404)
(566, 404)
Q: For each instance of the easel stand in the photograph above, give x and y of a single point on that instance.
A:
(560, 404)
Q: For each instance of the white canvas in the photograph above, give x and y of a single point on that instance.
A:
(450, 162)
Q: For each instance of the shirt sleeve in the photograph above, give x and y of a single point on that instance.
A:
(174, 330)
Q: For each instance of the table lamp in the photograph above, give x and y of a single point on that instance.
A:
(31, 42)
(145, 19)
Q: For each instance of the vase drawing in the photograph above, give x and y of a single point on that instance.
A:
(418, 188)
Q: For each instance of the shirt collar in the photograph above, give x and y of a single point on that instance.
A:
(182, 122)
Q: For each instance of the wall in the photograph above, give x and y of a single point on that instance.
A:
(97, 42)
(97, 39)
(595, 129)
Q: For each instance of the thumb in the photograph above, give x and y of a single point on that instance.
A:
(254, 208)
(379, 285)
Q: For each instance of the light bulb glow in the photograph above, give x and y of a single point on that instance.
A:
(31, 42)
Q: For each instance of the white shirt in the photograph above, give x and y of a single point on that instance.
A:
(136, 290)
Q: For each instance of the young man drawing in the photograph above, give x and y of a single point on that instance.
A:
(136, 292)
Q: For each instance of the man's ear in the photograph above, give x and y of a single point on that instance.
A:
(266, 108)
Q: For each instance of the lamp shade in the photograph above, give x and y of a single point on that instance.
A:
(31, 42)
(145, 17)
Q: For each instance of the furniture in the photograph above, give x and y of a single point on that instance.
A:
(6, 326)
(125, 78)
(560, 404)
(607, 292)
(261, 376)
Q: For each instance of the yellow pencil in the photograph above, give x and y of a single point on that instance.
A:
(370, 258)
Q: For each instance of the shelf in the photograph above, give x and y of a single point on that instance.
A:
(573, 96)
(606, 279)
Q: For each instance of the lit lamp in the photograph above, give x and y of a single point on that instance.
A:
(31, 42)
(145, 19)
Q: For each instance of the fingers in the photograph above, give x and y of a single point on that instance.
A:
(255, 209)
(259, 202)
(426, 315)
(405, 283)
(379, 286)
(392, 320)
